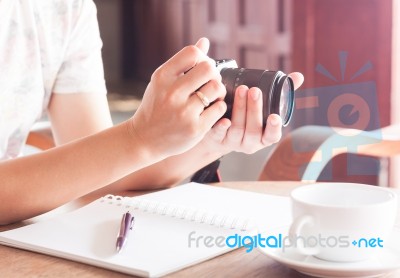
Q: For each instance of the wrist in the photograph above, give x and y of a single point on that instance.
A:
(139, 146)
(211, 149)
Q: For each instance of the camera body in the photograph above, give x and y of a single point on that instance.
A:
(277, 88)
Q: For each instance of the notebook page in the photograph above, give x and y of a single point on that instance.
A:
(158, 244)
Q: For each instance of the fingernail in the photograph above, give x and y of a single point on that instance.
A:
(255, 94)
(223, 125)
(242, 93)
(274, 121)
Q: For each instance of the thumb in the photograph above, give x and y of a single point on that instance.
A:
(203, 44)
(297, 78)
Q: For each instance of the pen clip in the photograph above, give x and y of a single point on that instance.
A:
(126, 224)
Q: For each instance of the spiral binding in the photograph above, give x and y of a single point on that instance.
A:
(180, 212)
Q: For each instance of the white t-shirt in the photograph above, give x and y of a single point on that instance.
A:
(46, 46)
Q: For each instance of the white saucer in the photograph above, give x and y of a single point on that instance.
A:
(386, 261)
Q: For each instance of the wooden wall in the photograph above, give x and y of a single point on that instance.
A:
(363, 30)
(256, 32)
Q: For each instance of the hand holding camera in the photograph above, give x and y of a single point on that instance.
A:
(172, 118)
(259, 103)
(277, 88)
(191, 95)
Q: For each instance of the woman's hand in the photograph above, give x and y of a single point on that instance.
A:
(170, 111)
(245, 132)
(172, 118)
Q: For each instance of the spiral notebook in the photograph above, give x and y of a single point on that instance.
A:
(169, 230)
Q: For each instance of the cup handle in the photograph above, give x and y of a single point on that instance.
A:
(298, 239)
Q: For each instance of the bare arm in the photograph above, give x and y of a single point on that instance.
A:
(225, 136)
(170, 131)
(241, 134)
(244, 133)
(35, 184)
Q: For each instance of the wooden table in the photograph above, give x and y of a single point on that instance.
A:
(238, 263)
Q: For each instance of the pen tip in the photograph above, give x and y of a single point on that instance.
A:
(118, 249)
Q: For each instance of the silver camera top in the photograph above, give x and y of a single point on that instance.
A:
(226, 63)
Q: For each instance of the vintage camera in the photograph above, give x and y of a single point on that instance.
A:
(277, 88)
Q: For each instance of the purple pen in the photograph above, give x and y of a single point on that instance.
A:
(126, 225)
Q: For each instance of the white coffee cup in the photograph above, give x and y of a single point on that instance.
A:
(342, 222)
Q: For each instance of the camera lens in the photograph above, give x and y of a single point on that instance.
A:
(285, 100)
(277, 90)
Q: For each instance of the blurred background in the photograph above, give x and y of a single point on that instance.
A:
(337, 44)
